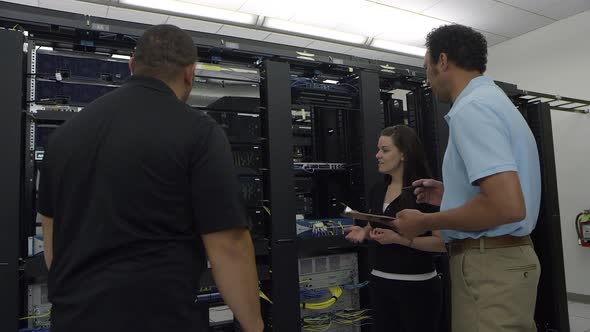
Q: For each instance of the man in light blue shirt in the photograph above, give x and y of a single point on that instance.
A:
(491, 194)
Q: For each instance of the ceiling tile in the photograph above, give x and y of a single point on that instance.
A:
(534, 5)
(560, 10)
(492, 16)
(283, 10)
(194, 25)
(414, 5)
(280, 38)
(225, 4)
(556, 9)
(493, 39)
(132, 15)
(364, 30)
(239, 32)
(421, 26)
(370, 21)
(330, 47)
(34, 3)
(505, 20)
(380, 20)
(456, 10)
(329, 13)
(78, 7)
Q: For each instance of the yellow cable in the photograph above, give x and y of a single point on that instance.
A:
(336, 293)
(38, 316)
(262, 295)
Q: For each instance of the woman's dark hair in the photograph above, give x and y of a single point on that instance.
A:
(415, 163)
(467, 48)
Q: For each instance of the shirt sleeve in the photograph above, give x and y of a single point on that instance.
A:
(483, 140)
(216, 196)
(44, 192)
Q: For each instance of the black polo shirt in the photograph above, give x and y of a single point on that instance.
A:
(131, 182)
(395, 258)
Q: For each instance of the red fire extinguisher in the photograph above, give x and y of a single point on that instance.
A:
(583, 228)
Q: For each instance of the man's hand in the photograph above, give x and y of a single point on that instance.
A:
(47, 226)
(387, 236)
(231, 254)
(356, 234)
(411, 223)
(428, 191)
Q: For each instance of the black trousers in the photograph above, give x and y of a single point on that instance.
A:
(406, 306)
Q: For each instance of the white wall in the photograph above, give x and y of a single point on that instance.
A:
(556, 60)
(572, 163)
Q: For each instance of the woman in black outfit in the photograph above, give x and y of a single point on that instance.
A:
(407, 293)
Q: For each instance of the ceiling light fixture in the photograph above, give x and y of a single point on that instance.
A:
(120, 56)
(193, 10)
(397, 47)
(273, 23)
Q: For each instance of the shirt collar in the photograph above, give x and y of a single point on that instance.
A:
(473, 84)
(149, 82)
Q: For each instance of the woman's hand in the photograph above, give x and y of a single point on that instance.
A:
(356, 234)
(387, 236)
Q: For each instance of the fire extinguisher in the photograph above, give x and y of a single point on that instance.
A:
(583, 228)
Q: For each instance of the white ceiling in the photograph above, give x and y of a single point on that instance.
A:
(498, 20)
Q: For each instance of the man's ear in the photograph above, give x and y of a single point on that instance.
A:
(132, 65)
(443, 61)
(189, 74)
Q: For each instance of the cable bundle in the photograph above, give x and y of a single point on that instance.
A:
(317, 323)
(335, 291)
(312, 293)
(356, 286)
(325, 321)
(355, 317)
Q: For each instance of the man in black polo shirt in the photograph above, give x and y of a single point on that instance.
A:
(136, 192)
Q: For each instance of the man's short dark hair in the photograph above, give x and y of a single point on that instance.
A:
(163, 51)
(465, 47)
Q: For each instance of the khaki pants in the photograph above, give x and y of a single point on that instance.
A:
(494, 290)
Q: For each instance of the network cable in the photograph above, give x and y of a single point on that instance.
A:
(47, 314)
(325, 321)
(336, 293)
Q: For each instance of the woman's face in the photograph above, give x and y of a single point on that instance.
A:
(389, 158)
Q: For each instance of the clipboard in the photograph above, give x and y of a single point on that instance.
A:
(368, 217)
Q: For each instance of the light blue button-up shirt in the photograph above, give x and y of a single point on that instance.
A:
(488, 135)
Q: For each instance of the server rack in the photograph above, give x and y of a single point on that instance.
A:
(11, 94)
(284, 286)
(552, 309)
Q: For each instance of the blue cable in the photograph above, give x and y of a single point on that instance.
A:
(312, 294)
